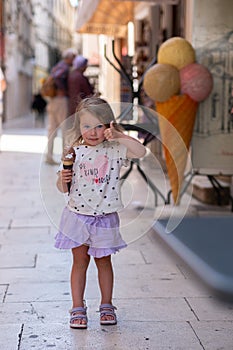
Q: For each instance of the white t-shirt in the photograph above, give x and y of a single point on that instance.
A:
(95, 186)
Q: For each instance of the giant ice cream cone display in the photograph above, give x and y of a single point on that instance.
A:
(177, 109)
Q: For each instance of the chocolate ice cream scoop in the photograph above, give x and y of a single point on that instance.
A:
(68, 161)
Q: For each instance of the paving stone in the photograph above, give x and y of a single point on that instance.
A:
(18, 198)
(53, 311)
(13, 257)
(156, 309)
(6, 215)
(135, 224)
(50, 267)
(156, 288)
(40, 219)
(127, 257)
(22, 292)
(159, 255)
(18, 313)
(210, 309)
(3, 289)
(33, 216)
(34, 275)
(125, 335)
(128, 310)
(214, 335)
(147, 271)
(54, 259)
(26, 235)
(10, 339)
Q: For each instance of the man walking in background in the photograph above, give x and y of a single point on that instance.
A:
(79, 86)
(57, 107)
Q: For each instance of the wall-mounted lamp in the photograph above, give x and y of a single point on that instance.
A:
(131, 49)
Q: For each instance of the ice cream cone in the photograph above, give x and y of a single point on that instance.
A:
(68, 161)
(180, 112)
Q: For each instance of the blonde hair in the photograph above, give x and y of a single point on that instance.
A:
(99, 108)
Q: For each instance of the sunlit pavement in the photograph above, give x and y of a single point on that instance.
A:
(159, 303)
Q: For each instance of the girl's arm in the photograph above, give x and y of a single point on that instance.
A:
(64, 176)
(135, 149)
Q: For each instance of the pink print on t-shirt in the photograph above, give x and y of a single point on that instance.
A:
(96, 171)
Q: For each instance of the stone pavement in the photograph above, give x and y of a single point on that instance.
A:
(160, 304)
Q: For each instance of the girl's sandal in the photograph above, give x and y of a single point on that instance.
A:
(107, 310)
(78, 313)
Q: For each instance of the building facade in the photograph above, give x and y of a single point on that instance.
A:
(18, 56)
(35, 34)
(208, 26)
(212, 37)
(154, 21)
(54, 32)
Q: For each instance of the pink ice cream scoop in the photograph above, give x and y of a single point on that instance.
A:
(196, 81)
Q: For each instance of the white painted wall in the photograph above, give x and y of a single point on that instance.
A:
(210, 34)
(211, 20)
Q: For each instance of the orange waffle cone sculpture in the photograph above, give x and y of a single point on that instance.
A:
(180, 111)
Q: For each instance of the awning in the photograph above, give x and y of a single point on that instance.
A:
(157, 2)
(109, 17)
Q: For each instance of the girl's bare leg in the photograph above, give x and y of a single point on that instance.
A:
(78, 275)
(105, 277)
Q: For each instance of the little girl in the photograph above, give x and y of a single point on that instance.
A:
(90, 223)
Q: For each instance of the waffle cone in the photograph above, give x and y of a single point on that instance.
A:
(180, 111)
(68, 162)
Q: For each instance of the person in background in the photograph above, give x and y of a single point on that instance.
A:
(2, 81)
(39, 107)
(79, 86)
(57, 107)
(2, 89)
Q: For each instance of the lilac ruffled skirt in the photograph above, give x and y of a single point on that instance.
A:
(100, 233)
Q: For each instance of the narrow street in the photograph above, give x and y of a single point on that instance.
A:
(160, 305)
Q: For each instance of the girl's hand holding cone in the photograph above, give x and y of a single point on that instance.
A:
(64, 180)
(66, 175)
